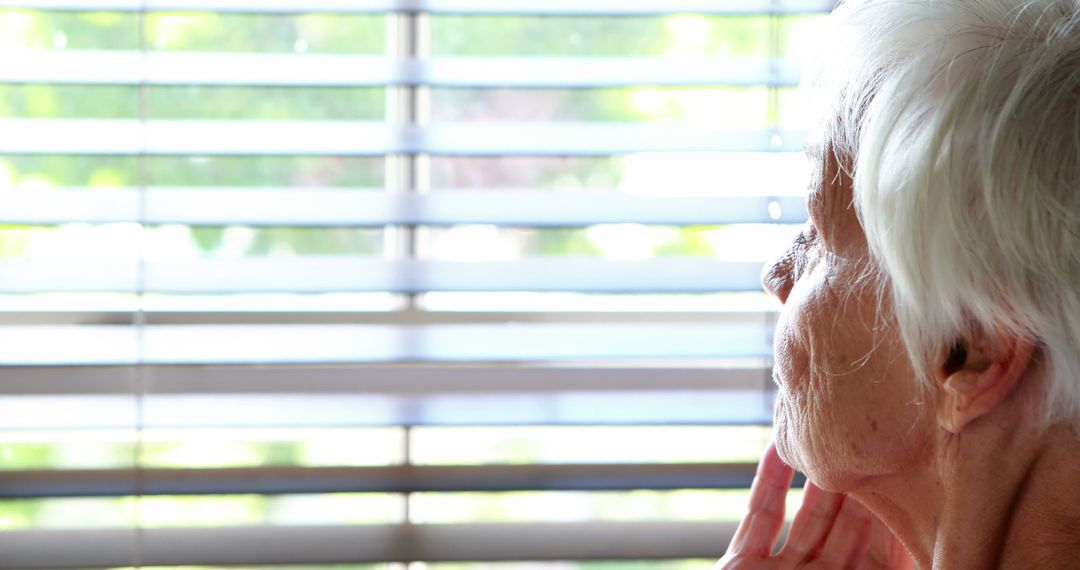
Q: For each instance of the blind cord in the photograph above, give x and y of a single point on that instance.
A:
(139, 319)
(776, 143)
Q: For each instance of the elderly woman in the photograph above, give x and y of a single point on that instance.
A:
(928, 351)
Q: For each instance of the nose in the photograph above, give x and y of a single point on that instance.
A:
(776, 277)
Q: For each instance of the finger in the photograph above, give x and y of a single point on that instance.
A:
(849, 536)
(885, 550)
(812, 522)
(761, 527)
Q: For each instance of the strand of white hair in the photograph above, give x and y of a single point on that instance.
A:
(961, 120)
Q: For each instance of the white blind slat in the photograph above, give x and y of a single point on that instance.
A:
(328, 274)
(402, 380)
(559, 7)
(366, 543)
(208, 138)
(242, 344)
(323, 70)
(374, 208)
(391, 479)
(308, 411)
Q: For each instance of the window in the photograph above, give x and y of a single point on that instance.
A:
(385, 282)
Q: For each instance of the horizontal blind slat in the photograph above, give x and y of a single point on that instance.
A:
(392, 479)
(719, 407)
(558, 7)
(330, 274)
(243, 344)
(319, 70)
(665, 310)
(368, 208)
(409, 381)
(366, 543)
(362, 138)
(246, 396)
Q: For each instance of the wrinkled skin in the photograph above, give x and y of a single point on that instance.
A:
(846, 403)
(965, 472)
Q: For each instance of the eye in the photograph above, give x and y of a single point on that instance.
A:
(808, 236)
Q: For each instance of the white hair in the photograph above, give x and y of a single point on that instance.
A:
(961, 122)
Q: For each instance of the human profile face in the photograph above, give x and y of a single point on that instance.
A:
(847, 405)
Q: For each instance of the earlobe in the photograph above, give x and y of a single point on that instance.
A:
(976, 385)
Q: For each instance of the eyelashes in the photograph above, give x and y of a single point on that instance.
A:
(808, 236)
(800, 257)
(803, 252)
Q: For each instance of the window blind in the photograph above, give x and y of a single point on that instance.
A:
(389, 282)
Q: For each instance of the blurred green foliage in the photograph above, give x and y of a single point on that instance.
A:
(328, 33)
(193, 102)
(266, 103)
(69, 101)
(294, 241)
(70, 30)
(57, 171)
(265, 171)
(599, 36)
(28, 455)
(718, 107)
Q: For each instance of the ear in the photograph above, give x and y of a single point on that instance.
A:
(977, 376)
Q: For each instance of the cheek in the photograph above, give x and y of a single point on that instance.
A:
(799, 417)
(790, 354)
(792, 341)
(843, 407)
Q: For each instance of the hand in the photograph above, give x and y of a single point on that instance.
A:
(829, 531)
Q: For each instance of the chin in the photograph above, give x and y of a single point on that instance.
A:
(786, 445)
(791, 440)
(789, 450)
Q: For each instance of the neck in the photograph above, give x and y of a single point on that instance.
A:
(997, 495)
